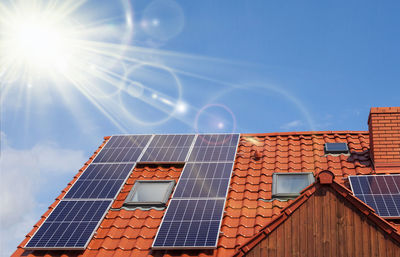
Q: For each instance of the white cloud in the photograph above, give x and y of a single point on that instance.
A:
(25, 174)
(295, 124)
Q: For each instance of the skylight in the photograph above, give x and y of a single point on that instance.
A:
(150, 192)
(288, 185)
(336, 148)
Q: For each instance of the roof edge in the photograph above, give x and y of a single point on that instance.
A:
(325, 178)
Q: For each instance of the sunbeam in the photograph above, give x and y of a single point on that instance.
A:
(48, 46)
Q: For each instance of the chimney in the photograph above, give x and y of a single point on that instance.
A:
(384, 136)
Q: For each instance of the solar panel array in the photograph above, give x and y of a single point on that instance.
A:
(74, 220)
(194, 215)
(381, 193)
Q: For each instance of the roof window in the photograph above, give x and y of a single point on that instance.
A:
(336, 148)
(150, 193)
(289, 185)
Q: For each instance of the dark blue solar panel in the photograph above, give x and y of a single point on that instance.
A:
(70, 225)
(202, 188)
(193, 217)
(107, 171)
(100, 181)
(128, 141)
(214, 148)
(190, 223)
(217, 140)
(123, 149)
(207, 170)
(204, 180)
(212, 154)
(381, 193)
(168, 148)
(94, 189)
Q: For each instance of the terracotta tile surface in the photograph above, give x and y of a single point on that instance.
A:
(249, 206)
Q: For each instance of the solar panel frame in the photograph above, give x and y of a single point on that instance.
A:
(376, 200)
(83, 247)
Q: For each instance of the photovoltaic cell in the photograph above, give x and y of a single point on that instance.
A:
(168, 148)
(382, 193)
(70, 225)
(100, 181)
(123, 149)
(214, 148)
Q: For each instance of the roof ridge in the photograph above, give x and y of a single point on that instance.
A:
(305, 133)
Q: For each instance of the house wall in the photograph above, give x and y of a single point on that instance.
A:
(326, 225)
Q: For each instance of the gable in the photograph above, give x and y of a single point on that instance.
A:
(326, 225)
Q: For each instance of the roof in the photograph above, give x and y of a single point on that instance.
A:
(250, 207)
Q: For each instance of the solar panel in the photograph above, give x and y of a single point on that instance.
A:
(73, 222)
(100, 181)
(381, 193)
(70, 225)
(218, 148)
(193, 217)
(201, 180)
(123, 149)
(168, 148)
(336, 148)
(190, 223)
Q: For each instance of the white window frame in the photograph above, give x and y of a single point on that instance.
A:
(275, 179)
(136, 186)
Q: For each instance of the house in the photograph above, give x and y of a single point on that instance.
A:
(259, 217)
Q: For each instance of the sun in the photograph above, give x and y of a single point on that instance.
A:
(40, 43)
(37, 41)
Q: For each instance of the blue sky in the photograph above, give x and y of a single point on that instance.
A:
(168, 66)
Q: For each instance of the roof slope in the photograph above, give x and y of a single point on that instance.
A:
(249, 206)
(325, 220)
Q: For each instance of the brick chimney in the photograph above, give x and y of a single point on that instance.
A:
(384, 135)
